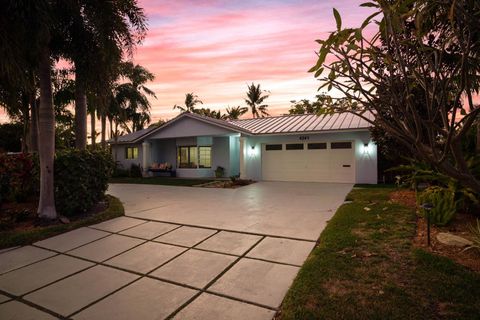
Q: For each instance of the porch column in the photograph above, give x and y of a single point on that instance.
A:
(243, 172)
(145, 157)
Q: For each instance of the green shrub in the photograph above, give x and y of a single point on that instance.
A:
(475, 233)
(120, 172)
(135, 171)
(443, 202)
(81, 179)
(17, 176)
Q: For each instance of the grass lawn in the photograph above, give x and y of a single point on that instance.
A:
(365, 267)
(23, 237)
(166, 181)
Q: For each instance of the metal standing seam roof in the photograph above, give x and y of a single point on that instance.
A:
(304, 123)
(269, 125)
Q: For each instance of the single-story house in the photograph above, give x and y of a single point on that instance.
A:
(311, 148)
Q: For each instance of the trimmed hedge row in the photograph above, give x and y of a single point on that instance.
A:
(81, 178)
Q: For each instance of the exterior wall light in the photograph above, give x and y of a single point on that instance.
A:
(365, 148)
(252, 152)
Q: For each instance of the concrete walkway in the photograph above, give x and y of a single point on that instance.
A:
(138, 268)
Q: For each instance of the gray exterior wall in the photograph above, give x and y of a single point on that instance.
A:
(188, 127)
(365, 164)
(165, 150)
(119, 155)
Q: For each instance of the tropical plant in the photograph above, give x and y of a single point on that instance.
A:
(444, 205)
(304, 106)
(98, 33)
(235, 113)
(210, 113)
(417, 74)
(255, 99)
(191, 100)
(475, 233)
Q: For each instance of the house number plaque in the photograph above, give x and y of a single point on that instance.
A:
(303, 138)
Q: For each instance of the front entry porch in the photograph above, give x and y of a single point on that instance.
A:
(193, 157)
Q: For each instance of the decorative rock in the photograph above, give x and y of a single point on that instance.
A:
(367, 209)
(452, 240)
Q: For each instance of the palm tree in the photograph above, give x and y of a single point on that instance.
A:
(191, 100)
(255, 98)
(234, 113)
(99, 32)
(26, 33)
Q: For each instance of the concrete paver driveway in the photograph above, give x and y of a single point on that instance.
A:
(181, 253)
(287, 209)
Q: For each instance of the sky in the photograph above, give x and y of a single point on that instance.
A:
(214, 48)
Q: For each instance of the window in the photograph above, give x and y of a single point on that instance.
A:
(341, 145)
(187, 157)
(294, 146)
(317, 146)
(131, 152)
(271, 147)
(204, 157)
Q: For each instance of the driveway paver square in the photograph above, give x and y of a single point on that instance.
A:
(145, 299)
(105, 248)
(23, 256)
(209, 307)
(118, 224)
(149, 230)
(71, 240)
(145, 257)
(195, 268)
(186, 236)
(282, 250)
(230, 242)
(76, 292)
(256, 281)
(15, 310)
(39, 274)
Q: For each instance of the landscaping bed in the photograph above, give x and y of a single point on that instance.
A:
(166, 181)
(227, 184)
(20, 225)
(367, 266)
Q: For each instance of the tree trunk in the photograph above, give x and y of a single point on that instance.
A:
(33, 123)
(80, 113)
(110, 120)
(93, 133)
(46, 135)
(104, 130)
(478, 138)
(26, 121)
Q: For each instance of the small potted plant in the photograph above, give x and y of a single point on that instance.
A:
(219, 172)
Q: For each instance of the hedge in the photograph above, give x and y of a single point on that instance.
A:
(81, 178)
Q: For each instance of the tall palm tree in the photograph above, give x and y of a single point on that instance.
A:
(234, 113)
(26, 32)
(191, 100)
(99, 33)
(255, 98)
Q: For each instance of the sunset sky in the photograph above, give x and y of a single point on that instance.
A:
(214, 48)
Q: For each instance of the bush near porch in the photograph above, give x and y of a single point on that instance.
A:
(366, 267)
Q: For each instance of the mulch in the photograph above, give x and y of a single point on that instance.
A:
(459, 226)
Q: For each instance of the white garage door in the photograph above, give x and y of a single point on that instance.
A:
(310, 162)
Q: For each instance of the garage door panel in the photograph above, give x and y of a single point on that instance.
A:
(309, 165)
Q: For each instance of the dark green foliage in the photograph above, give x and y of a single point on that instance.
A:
(17, 177)
(81, 179)
(135, 171)
(443, 202)
(11, 136)
(219, 172)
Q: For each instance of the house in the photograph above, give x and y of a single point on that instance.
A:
(311, 148)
